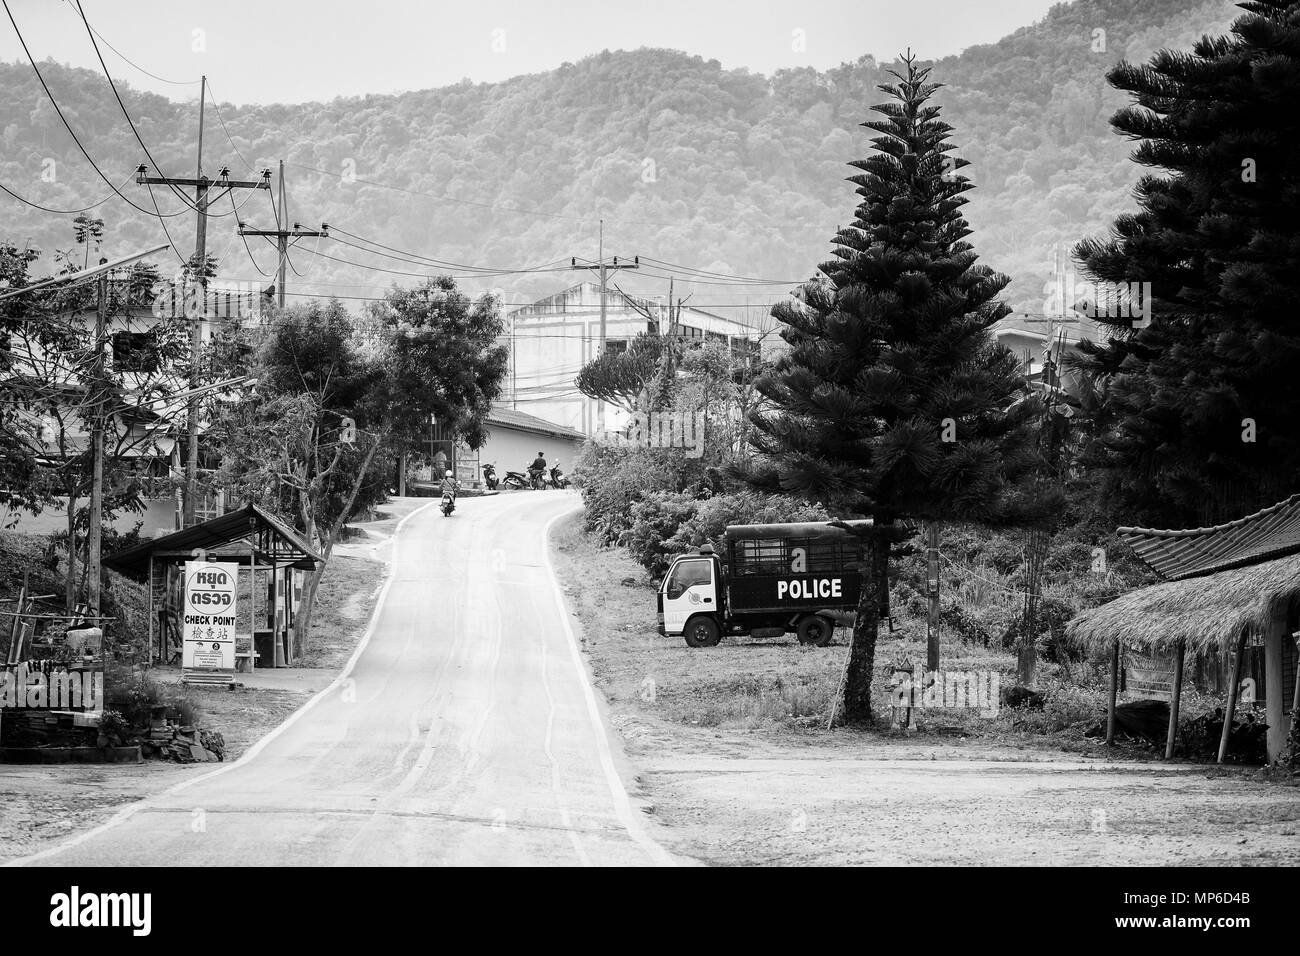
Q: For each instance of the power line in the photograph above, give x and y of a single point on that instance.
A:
(58, 212)
(166, 232)
(160, 79)
(247, 165)
(64, 119)
(417, 259)
(126, 113)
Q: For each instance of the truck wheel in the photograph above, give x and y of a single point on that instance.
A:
(702, 632)
(815, 629)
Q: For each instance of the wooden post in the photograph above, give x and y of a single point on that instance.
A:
(1175, 700)
(148, 660)
(932, 586)
(1233, 692)
(1114, 693)
(1274, 705)
(1295, 696)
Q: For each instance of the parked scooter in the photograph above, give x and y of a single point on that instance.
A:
(516, 479)
(490, 477)
(557, 478)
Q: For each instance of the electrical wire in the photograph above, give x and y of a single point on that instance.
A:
(251, 257)
(416, 258)
(160, 79)
(720, 275)
(247, 165)
(68, 126)
(59, 212)
(126, 113)
(163, 222)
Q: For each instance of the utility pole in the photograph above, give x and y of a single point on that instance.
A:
(604, 269)
(201, 186)
(932, 590)
(94, 543)
(283, 235)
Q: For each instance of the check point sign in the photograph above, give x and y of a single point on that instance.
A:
(209, 616)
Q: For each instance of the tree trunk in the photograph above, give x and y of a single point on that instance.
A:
(327, 548)
(866, 629)
(1027, 644)
(302, 623)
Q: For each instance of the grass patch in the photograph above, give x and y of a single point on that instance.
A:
(344, 603)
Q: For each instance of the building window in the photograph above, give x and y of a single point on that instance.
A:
(616, 346)
(135, 352)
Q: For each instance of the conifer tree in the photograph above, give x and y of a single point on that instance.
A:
(1205, 389)
(894, 400)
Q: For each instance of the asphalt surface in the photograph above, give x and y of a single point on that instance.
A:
(465, 732)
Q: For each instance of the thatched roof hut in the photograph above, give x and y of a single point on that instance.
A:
(1208, 613)
(1221, 585)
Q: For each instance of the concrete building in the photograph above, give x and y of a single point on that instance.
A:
(551, 339)
(515, 438)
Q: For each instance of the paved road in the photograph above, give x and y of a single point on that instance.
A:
(465, 733)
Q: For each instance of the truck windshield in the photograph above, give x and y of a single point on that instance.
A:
(688, 573)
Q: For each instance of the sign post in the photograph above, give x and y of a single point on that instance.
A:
(208, 655)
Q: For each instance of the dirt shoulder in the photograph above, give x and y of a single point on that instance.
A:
(43, 804)
(732, 752)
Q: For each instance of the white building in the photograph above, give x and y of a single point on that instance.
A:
(551, 339)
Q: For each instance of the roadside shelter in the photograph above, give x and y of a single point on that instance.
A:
(1224, 587)
(270, 555)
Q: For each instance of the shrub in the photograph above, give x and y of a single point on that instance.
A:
(713, 514)
(613, 479)
(655, 521)
(133, 693)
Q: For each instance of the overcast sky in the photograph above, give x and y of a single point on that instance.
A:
(297, 50)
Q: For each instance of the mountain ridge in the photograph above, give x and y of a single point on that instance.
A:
(723, 170)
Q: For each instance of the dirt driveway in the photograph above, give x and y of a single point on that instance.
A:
(850, 801)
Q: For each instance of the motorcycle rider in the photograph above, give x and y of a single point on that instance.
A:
(537, 469)
(450, 486)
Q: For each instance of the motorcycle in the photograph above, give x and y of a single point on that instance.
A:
(558, 479)
(448, 505)
(515, 479)
(490, 477)
(537, 478)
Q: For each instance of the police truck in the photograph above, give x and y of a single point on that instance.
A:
(773, 579)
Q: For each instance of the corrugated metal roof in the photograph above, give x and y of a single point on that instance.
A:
(1271, 533)
(513, 418)
(292, 549)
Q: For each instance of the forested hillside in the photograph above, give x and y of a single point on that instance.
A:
(721, 170)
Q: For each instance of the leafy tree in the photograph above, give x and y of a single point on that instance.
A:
(49, 395)
(1206, 396)
(893, 399)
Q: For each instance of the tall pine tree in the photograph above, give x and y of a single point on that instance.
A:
(1207, 396)
(894, 400)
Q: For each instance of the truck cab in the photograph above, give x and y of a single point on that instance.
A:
(690, 599)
